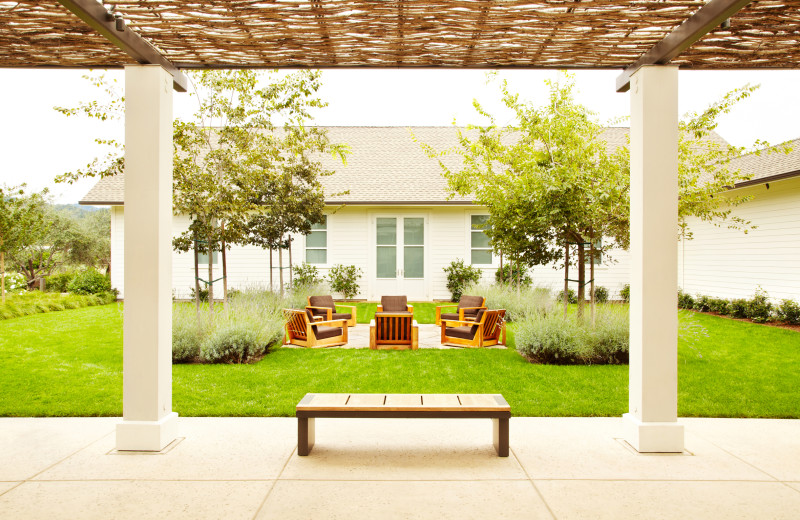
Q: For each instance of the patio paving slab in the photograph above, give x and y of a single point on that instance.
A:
(134, 500)
(433, 500)
(668, 500)
(761, 442)
(404, 449)
(41, 442)
(210, 448)
(592, 448)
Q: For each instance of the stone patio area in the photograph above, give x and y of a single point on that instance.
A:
(397, 469)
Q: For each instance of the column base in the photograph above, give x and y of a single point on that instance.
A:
(147, 435)
(653, 437)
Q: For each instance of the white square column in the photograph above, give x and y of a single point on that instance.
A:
(651, 422)
(148, 422)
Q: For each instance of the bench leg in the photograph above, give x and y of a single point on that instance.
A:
(305, 435)
(501, 436)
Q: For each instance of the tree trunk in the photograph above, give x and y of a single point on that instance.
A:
(566, 277)
(224, 270)
(210, 277)
(581, 278)
(502, 273)
(519, 275)
(3, 275)
(280, 266)
(196, 279)
(271, 283)
(591, 276)
(290, 260)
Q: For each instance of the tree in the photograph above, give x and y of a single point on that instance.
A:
(22, 221)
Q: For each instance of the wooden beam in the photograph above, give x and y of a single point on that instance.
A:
(695, 27)
(98, 18)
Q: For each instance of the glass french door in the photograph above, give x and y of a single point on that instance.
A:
(400, 257)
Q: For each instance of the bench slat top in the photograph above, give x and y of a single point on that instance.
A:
(403, 402)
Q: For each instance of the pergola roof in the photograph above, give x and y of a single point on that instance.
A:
(400, 33)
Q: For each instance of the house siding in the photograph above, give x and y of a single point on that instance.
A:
(728, 263)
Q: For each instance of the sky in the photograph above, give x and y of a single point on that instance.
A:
(38, 143)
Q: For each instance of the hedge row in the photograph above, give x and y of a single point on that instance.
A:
(37, 302)
(758, 308)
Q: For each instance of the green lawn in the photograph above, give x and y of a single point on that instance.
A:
(70, 363)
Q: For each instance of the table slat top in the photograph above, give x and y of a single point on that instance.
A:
(404, 402)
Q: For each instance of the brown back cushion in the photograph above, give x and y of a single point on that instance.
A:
(322, 301)
(394, 303)
(310, 317)
(470, 301)
(477, 320)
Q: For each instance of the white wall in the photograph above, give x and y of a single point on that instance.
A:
(728, 263)
(613, 273)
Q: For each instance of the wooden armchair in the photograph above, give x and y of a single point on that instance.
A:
(323, 308)
(488, 329)
(394, 304)
(302, 330)
(393, 330)
(468, 307)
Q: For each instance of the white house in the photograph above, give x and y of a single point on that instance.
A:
(398, 225)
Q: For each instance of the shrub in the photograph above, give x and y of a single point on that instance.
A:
(738, 308)
(685, 300)
(513, 269)
(527, 301)
(610, 340)
(571, 296)
(344, 280)
(702, 303)
(89, 282)
(59, 282)
(759, 308)
(203, 294)
(15, 282)
(305, 274)
(600, 294)
(789, 312)
(625, 293)
(187, 334)
(232, 343)
(459, 277)
(297, 297)
(719, 305)
(551, 339)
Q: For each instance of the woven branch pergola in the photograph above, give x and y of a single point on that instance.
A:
(400, 33)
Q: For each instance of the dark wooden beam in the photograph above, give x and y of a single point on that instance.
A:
(695, 27)
(98, 18)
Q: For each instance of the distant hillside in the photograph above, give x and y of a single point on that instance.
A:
(76, 210)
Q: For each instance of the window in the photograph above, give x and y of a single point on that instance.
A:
(202, 258)
(481, 251)
(598, 254)
(317, 243)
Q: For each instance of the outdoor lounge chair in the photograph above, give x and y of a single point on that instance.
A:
(488, 329)
(394, 304)
(323, 308)
(468, 307)
(393, 330)
(302, 330)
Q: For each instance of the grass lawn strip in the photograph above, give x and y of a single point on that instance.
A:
(69, 363)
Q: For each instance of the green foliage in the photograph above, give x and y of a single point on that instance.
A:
(571, 296)
(188, 330)
(738, 308)
(789, 312)
(232, 343)
(60, 281)
(552, 339)
(719, 305)
(305, 275)
(203, 294)
(702, 303)
(519, 304)
(89, 281)
(14, 282)
(625, 293)
(344, 280)
(600, 294)
(459, 276)
(36, 302)
(759, 308)
(685, 300)
(509, 273)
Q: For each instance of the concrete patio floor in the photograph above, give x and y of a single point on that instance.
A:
(396, 469)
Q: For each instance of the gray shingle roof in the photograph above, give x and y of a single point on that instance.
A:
(767, 165)
(385, 166)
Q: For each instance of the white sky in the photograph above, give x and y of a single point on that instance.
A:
(38, 143)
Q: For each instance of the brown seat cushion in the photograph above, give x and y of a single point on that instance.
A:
(460, 332)
(394, 303)
(321, 301)
(470, 301)
(449, 317)
(341, 316)
(324, 332)
(310, 318)
(478, 317)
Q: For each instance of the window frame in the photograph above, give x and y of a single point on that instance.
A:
(306, 247)
(470, 249)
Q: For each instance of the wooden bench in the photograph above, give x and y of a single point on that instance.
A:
(418, 406)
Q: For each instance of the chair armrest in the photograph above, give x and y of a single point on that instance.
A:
(410, 308)
(380, 308)
(462, 309)
(328, 311)
(353, 307)
(450, 305)
(332, 323)
(445, 322)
